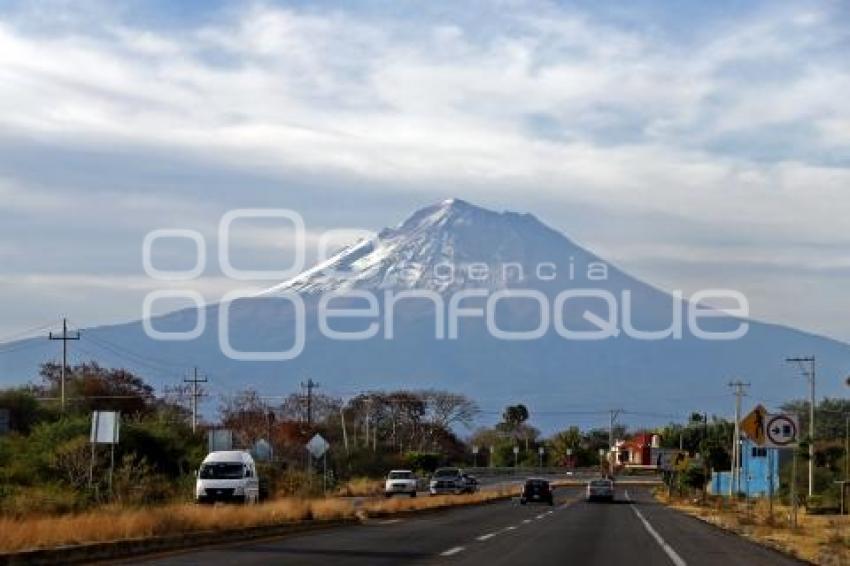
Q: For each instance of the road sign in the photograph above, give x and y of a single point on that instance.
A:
(317, 446)
(105, 426)
(219, 439)
(474, 449)
(516, 449)
(541, 450)
(753, 425)
(781, 431)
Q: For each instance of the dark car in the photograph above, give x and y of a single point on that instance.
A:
(600, 490)
(537, 490)
(470, 483)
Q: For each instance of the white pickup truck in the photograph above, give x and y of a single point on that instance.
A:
(400, 481)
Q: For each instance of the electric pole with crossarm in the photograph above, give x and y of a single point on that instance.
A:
(809, 373)
(735, 476)
(309, 386)
(195, 380)
(65, 337)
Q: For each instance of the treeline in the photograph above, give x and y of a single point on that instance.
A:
(45, 460)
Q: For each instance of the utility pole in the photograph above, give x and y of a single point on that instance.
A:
(309, 386)
(613, 414)
(65, 337)
(344, 432)
(735, 476)
(195, 380)
(809, 373)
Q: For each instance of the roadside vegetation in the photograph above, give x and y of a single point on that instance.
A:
(112, 522)
(820, 539)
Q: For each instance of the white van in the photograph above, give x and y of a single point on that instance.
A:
(227, 476)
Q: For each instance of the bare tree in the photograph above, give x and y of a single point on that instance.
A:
(247, 415)
(446, 409)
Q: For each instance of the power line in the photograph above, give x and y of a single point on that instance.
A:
(142, 359)
(23, 333)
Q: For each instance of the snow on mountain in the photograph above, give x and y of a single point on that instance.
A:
(435, 249)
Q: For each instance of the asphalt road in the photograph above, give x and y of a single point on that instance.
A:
(632, 530)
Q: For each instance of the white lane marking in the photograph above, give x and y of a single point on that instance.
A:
(485, 537)
(540, 516)
(390, 522)
(510, 528)
(452, 551)
(671, 554)
(526, 521)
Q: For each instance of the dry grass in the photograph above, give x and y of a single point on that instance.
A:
(116, 523)
(361, 487)
(820, 539)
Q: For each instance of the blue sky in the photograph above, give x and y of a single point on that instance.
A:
(705, 145)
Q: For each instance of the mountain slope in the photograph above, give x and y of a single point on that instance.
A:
(450, 247)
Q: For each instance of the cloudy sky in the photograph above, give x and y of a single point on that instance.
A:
(701, 145)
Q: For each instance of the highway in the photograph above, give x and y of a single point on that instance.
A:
(632, 530)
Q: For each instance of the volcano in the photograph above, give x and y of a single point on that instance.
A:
(609, 340)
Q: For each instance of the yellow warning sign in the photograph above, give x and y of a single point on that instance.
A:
(753, 425)
(682, 461)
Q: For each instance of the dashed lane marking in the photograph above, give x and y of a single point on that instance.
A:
(452, 551)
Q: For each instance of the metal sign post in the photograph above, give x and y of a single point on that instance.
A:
(105, 427)
(318, 448)
(794, 491)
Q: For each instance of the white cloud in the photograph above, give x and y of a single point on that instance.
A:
(544, 100)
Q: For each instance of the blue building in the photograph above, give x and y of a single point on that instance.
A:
(759, 472)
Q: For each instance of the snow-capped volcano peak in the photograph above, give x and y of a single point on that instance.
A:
(452, 235)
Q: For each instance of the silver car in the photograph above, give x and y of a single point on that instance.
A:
(447, 481)
(600, 490)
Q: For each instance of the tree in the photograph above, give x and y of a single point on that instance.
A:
(514, 416)
(91, 387)
(247, 415)
(446, 409)
(322, 408)
(564, 442)
(24, 409)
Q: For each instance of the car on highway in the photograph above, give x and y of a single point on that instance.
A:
(600, 490)
(228, 476)
(448, 481)
(470, 483)
(537, 490)
(400, 482)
